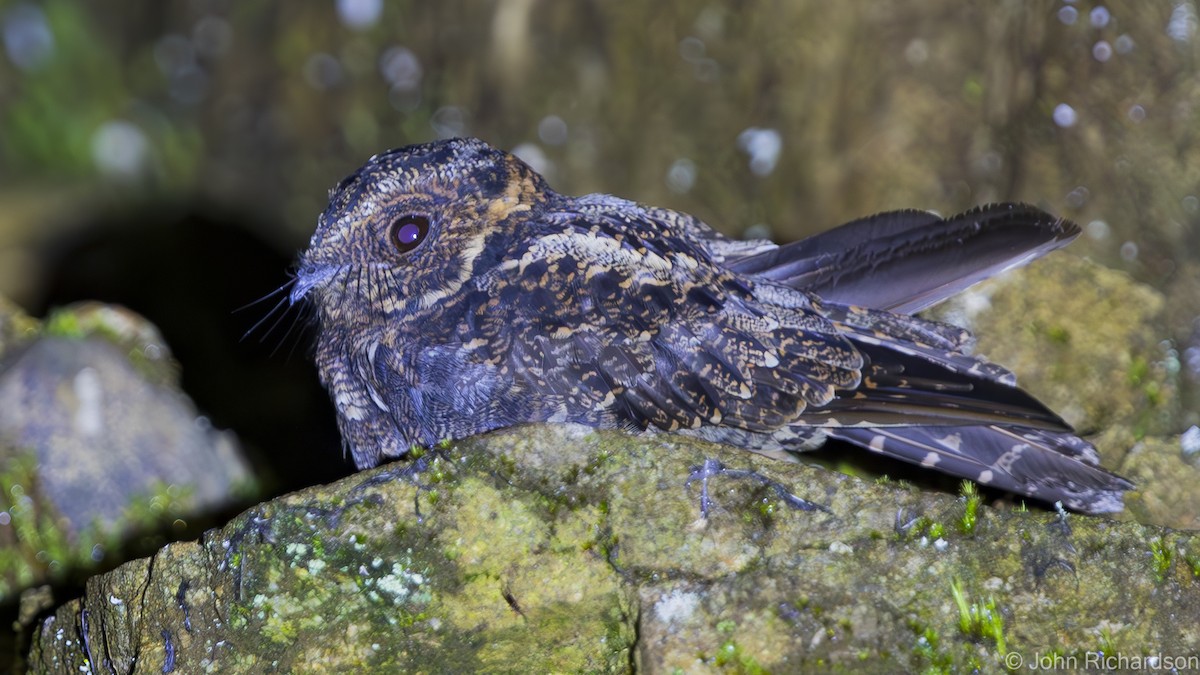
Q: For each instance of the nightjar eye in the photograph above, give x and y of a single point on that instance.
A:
(407, 232)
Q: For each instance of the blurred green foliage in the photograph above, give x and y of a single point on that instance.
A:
(787, 116)
(876, 105)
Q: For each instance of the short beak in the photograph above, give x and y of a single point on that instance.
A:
(308, 277)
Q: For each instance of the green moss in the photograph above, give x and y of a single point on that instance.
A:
(140, 341)
(926, 527)
(1193, 563)
(63, 324)
(764, 513)
(733, 659)
(928, 649)
(1139, 370)
(39, 545)
(969, 519)
(976, 621)
(1161, 555)
(1058, 335)
(1107, 646)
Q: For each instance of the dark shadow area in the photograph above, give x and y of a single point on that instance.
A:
(192, 272)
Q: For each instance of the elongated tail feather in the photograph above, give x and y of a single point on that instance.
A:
(1047, 466)
(905, 261)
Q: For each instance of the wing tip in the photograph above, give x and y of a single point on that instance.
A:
(1063, 229)
(1100, 501)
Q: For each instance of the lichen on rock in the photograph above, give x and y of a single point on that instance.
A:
(559, 548)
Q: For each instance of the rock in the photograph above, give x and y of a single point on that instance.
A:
(1166, 483)
(556, 548)
(97, 444)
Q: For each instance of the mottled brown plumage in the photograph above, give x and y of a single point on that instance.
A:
(457, 293)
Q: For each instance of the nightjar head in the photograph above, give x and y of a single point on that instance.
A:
(404, 231)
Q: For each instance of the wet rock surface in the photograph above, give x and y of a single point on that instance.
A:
(559, 548)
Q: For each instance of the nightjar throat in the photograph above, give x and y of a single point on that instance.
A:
(457, 293)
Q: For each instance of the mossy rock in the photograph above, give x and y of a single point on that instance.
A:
(98, 446)
(557, 548)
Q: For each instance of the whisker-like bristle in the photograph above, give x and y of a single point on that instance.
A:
(287, 285)
(278, 312)
(302, 317)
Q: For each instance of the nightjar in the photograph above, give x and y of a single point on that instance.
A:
(457, 293)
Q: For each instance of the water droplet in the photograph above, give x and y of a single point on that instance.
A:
(1078, 197)
(1189, 441)
(1124, 44)
(1064, 115)
(757, 231)
(1068, 15)
(1102, 51)
(119, 148)
(1182, 24)
(1129, 251)
(691, 49)
(989, 163)
(401, 68)
(681, 176)
(1099, 16)
(322, 71)
(449, 121)
(27, 37)
(552, 130)
(532, 154)
(763, 146)
(359, 14)
(1137, 113)
(1098, 230)
(1191, 361)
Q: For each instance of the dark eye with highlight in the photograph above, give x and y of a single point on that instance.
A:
(407, 232)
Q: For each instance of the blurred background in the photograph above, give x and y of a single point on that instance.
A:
(173, 157)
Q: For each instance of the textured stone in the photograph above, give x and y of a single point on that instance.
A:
(558, 548)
